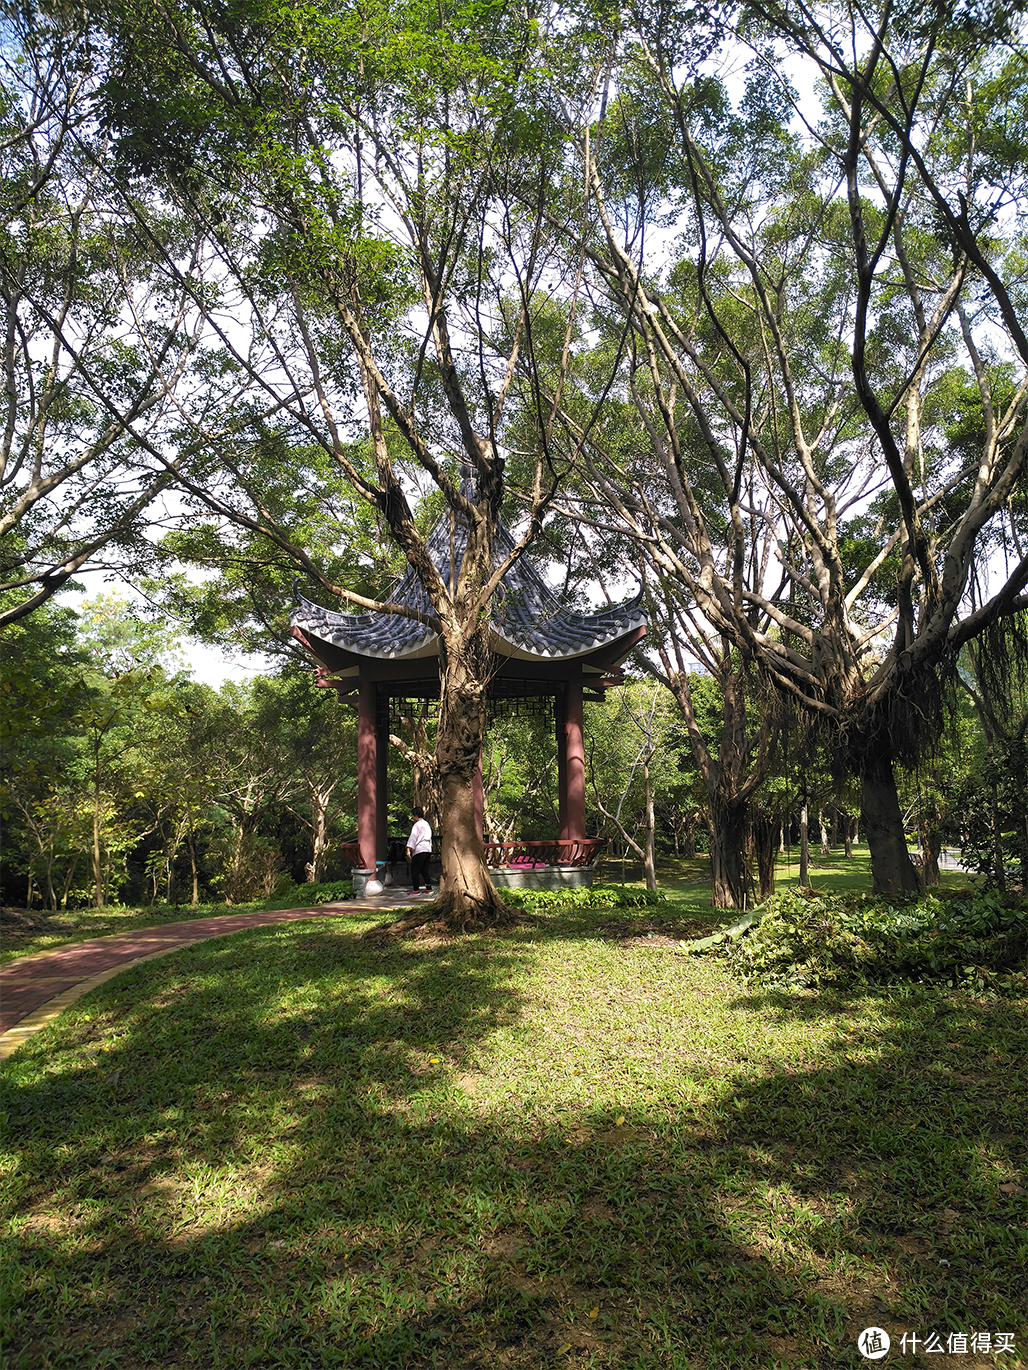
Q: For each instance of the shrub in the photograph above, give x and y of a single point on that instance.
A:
(599, 897)
(300, 896)
(848, 939)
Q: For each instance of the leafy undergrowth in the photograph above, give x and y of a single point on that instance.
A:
(966, 938)
(299, 896)
(294, 1147)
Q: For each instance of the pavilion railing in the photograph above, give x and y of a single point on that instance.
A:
(352, 853)
(561, 851)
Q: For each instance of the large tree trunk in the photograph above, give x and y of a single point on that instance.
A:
(467, 896)
(727, 852)
(764, 833)
(892, 870)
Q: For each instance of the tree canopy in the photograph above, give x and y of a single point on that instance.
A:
(730, 299)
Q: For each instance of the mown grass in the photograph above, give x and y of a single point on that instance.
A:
(559, 1147)
(686, 882)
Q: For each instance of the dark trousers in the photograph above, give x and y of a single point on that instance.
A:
(419, 869)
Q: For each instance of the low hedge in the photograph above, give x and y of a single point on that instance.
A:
(579, 897)
(300, 896)
(801, 940)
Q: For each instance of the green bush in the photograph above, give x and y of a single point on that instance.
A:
(858, 939)
(599, 897)
(300, 896)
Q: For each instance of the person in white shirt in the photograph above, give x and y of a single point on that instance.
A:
(419, 851)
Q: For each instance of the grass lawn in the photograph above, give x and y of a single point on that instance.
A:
(565, 1146)
(686, 883)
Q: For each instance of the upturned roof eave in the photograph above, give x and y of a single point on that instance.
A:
(504, 645)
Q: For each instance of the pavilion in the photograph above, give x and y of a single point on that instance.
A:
(389, 665)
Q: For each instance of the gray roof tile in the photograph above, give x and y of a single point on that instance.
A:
(525, 613)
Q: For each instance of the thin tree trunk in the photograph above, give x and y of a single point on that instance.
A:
(97, 866)
(191, 844)
(825, 848)
(67, 886)
(804, 847)
(319, 796)
(931, 846)
(649, 865)
(689, 839)
(997, 839)
(892, 870)
(847, 840)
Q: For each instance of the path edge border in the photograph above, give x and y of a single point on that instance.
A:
(38, 1019)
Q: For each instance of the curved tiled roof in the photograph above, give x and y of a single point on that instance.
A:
(526, 616)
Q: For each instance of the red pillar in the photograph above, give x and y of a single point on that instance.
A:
(560, 718)
(367, 773)
(382, 789)
(479, 796)
(574, 751)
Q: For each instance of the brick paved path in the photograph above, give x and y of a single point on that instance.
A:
(34, 988)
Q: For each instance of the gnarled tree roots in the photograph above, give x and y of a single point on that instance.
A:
(457, 914)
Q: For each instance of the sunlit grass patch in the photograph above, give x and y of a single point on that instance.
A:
(300, 1147)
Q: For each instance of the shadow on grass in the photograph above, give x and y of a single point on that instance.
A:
(280, 1150)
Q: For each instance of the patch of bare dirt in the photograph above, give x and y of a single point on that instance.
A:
(630, 932)
(597, 1210)
(18, 925)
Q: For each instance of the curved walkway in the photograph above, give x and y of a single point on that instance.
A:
(34, 989)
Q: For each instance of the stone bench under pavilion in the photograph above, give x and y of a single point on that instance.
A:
(387, 663)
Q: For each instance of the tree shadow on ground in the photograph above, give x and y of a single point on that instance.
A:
(279, 1150)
